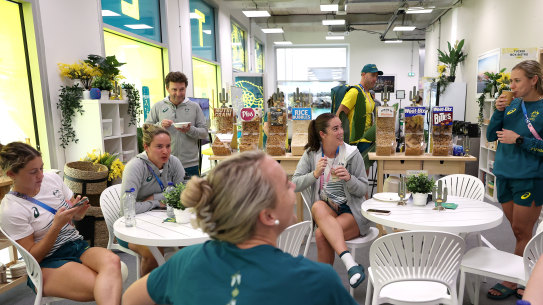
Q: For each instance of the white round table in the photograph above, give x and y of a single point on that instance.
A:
(151, 231)
(470, 215)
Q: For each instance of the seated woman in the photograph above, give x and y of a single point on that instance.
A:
(332, 175)
(149, 173)
(37, 214)
(243, 204)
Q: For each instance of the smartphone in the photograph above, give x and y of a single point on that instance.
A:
(81, 202)
(380, 212)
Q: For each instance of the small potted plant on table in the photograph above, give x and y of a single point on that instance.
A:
(173, 199)
(420, 185)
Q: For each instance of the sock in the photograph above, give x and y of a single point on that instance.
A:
(349, 262)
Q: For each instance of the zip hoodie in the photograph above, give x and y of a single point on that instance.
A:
(138, 176)
(355, 189)
(184, 145)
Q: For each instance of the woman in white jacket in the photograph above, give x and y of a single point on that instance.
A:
(331, 173)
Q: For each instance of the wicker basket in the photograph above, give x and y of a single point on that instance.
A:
(85, 178)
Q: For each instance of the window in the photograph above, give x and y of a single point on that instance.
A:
(139, 17)
(259, 57)
(238, 37)
(202, 29)
(312, 70)
(206, 77)
(144, 65)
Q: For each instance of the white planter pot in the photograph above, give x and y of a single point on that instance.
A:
(420, 199)
(86, 95)
(182, 216)
(105, 95)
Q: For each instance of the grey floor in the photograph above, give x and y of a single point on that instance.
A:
(501, 237)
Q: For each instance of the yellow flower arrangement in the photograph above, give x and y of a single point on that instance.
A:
(441, 69)
(504, 80)
(81, 70)
(111, 161)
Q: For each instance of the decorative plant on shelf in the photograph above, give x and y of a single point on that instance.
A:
(454, 57)
(109, 65)
(69, 103)
(420, 183)
(173, 198)
(81, 70)
(111, 161)
(134, 106)
(102, 83)
(443, 80)
(495, 83)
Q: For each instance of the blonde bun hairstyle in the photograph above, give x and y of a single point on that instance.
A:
(227, 202)
(150, 131)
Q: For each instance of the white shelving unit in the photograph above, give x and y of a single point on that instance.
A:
(487, 155)
(91, 128)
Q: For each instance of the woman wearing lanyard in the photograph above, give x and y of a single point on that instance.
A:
(331, 173)
(37, 214)
(518, 166)
(149, 173)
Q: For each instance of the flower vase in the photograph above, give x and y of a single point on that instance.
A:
(86, 95)
(420, 199)
(104, 96)
(182, 216)
(124, 94)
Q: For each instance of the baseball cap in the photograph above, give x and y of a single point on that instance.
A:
(371, 68)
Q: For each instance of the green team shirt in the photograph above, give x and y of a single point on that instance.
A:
(349, 101)
(218, 272)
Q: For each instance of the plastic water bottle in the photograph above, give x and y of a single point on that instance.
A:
(169, 208)
(128, 204)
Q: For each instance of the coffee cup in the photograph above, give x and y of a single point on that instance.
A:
(509, 96)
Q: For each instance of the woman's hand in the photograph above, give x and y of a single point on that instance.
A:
(81, 210)
(63, 216)
(501, 102)
(321, 165)
(507, 136)
(342, 173)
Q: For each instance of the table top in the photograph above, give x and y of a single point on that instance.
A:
(424, 157)
(470, 215)
(286, 157)
(150, 230)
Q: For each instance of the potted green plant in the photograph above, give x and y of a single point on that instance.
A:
(134, 106)
(69, 103)
(173, 199)
(453, 57)
(104, 84)
(420, 185)
(109, 65)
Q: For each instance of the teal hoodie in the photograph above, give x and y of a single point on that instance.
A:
(513, 161)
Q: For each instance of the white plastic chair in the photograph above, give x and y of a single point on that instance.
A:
(414, 267)
(110, 203)
(466, 186)
(504, 266)
(292, 237)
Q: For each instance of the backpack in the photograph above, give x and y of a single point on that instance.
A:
(338, 93)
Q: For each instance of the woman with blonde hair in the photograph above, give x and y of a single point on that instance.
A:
(37, 214)
(518, 165)
(148, 174)
(243, 204)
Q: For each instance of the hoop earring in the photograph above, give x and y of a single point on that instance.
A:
(276, 222)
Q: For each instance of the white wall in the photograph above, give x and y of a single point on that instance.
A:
(485, 25)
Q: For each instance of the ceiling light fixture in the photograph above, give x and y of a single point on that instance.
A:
(138, 26)
(108, 13)
(418, 10)
(255, 13)
(394, 41)
(329, 7)
(273, 30)
(333, 22)
(282, 43)
(404, 28)
(335, 37)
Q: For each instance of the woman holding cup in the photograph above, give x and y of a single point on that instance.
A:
(518, 127)
(331, 173)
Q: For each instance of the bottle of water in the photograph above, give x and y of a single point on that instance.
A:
(128, 204)
(169, 208)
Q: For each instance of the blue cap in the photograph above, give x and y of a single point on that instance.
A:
(371, 68)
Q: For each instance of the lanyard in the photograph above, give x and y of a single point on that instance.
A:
(321, 178)
(156, 177)
(34, 201)
(530, 126)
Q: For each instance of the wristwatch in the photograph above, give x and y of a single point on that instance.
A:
(519, 140)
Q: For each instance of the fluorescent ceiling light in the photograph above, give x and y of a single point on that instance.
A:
(208, 32)
(393, 41)
(251, 14)
(282, 43)
(418, 11)
(333, 22)
(329, 7)
(273, 31)
(404, 28)
(138, 26)
(194, 16)
(335, 37)
(108, 13)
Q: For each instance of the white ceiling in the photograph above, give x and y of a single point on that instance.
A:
(374, 16)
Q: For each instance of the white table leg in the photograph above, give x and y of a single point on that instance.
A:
(158, 256)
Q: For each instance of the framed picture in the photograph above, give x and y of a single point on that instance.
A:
(400, 94)
(385, 80)
(487, 62)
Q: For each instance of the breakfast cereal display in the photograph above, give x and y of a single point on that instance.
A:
(414, 131)
(275, 145)
(385, 132)
(224, 120)
(250, 129)
(442, 123)
(301, 117)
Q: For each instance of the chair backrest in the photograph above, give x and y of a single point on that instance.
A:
(110, 203)
(464, 186)
(291, 239)
(416, 255)
(532, 252)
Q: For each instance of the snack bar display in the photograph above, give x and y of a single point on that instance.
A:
(301, 117)
(385, 132)
(442, 123)
(414, 131)
(275, 145)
